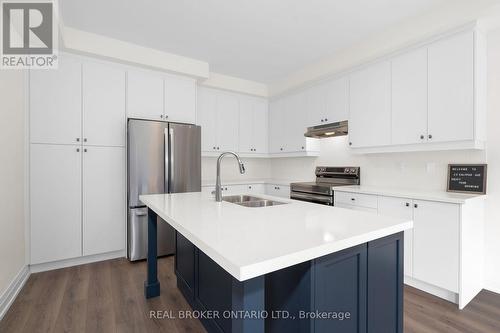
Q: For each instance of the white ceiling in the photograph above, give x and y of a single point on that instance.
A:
(260, 40)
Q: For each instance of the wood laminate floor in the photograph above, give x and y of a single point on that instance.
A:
(108, 297)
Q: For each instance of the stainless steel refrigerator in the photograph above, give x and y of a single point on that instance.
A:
(162, 158)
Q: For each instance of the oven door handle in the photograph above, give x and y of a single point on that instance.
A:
(328, 200)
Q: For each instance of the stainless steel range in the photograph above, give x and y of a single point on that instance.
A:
(321, 191)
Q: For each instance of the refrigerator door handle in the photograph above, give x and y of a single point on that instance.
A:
(171, 159)
(167, 157)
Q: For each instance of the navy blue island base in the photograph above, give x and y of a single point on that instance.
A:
(356, 290)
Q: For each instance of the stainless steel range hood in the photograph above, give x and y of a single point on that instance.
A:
(327, 130)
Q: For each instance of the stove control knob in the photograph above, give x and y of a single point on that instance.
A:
(347, 170)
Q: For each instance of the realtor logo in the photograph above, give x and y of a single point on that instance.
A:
(29, 35)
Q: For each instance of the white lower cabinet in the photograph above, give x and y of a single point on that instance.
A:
(256, 189)
(55, 198)
(436, 243)
(104, 202)
(276, 190)
(444, 250)
(77, 201)
(402, 208)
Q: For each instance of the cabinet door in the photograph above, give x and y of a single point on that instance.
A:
(316, 105)
(103, 199)
(451, 89)
(185, 262)
(282, 191)
(296, 122)
(55, 198)
(144, 95)
(340, 282)
(370, 112)
(277, 125)
(400, 208)
(409, 97)
(227, 122)
(207, 118)
(246, 126)
(180, 99)
(56, 103)
(436, 243)
(103, 105)
(336, 101)
(260, 127)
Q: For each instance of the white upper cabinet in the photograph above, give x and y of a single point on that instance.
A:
(153, 95)
(451, 89)
(246, 126)
(104, 119)
(253, 126)
(227, 122)
(218, 116)
(296, 118)
(207, 119)
(437, 99)
(327, 102)
(104, 199)
(180, 99)
(287, 125)
(337, 103)
(144, 95)
(56, 103)
(370, 106)
(260, 126)
(277, 142)
(409, 97)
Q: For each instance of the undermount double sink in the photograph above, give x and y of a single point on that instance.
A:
(251, 201)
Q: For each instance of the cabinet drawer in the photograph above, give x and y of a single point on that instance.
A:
(356, 199)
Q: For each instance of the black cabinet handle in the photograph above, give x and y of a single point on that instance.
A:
(421, 137)
(350, 143)
(407, 204)
(430, 136)
(415, 205)
(353, 199)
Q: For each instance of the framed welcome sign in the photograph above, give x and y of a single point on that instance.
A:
(467, 178)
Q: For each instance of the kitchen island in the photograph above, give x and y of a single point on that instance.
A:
(294, 267)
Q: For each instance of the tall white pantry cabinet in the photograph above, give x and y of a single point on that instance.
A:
(77, 160)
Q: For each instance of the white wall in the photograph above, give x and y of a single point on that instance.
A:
(493, 148)
(424, 170)
(256, 168)
(448, 16)
(12, 162)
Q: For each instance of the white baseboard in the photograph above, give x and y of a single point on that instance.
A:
(10, 294)
(76, 261)
(492, 287)
(436, 291)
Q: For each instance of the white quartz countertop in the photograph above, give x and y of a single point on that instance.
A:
(441, 196)
(282, 182)
(249, 242)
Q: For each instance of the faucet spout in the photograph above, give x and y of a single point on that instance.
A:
(218, 187)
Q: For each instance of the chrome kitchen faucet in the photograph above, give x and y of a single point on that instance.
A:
(218, 188)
